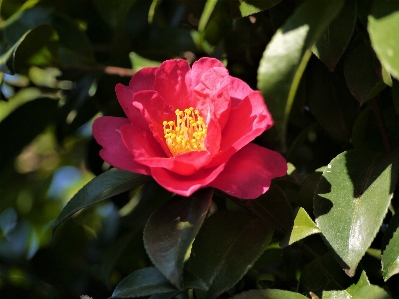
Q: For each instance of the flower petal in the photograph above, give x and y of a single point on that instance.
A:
(147, 151)
(173, 83)
(246, 121)
(201, 66)
(154, 110)
(106, 131)
(249, 172)
(212, 96)
(238, 91)
(144, 79)
(185, 185)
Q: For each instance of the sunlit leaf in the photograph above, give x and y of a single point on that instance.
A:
(244, 8)
(390, 257)
(286, 57)
(350, 291)
(221, 253)
(171, 229)
(268, 294)
(303, 227)
(382, 26)
(371, 292)
(143, 282)
(353, 182)
(108, 184)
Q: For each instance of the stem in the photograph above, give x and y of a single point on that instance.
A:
(381, 124)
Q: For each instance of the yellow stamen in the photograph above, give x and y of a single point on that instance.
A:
(187, 133)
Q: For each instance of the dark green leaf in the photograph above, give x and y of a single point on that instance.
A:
(143, 282)
(395, 95)
(330, 102)
(108, 184)
(171, 230)
(353, 182)
(15, 58)
(382, 26)
(268, 294)
(306, 193)
(303, 227)
(392, 228)
(349, 292)
(360, 70)
(323, 274)
(273, 206)
(332, 44)
(244, 8)
(114, 12)
(286, 57)
(390, 257)
(20, 127)
(226, 247)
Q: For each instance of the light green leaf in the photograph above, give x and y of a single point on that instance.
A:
(287, 55)
(143, 282)
(371, 292)
(351, 200)
(152, 10)
(206, 14)
(303, 227)
(244, 8)
(383, 30)
(349, 292)
(139, 62)
(390, 257)
(268, 294)
(171, 230)
(105, 185)
(332, 44)
(221, 254)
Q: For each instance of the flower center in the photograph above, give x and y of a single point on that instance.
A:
(187, 133)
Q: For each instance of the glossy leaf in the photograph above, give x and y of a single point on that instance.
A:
(360, 71)
(35, 115)
(104, 186)
(322, 274)
(221, 253)
(303, 227)
(390, 257)
(287, 54)
(15, 58)
(332, 44)
(392, 228)
(143, 282)
(382, 27)
(353, 182)
(171, 230)
(244, 8)
(268, 294)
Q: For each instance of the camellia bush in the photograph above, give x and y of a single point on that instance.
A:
(201, 149)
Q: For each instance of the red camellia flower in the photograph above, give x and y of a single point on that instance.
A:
(191, 128)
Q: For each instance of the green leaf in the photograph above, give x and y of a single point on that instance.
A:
(371, 292)
(171, 230)
(352, 183)
(139, 62)
(244, 8)
(206, 14)
(227, 245)
(330, 102)
(303, 227)
(390, 257)
(154, 6)
(35, 115)
(143, 282)
(287, 55)
(332, 44)
(114, 12)
(105, 185)
(15, 58)
(392, 228)
(274, 207)
(382, 27)
(306, 193)
(349, 292)
(268, 294)
(322, 274)
(360, 69)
